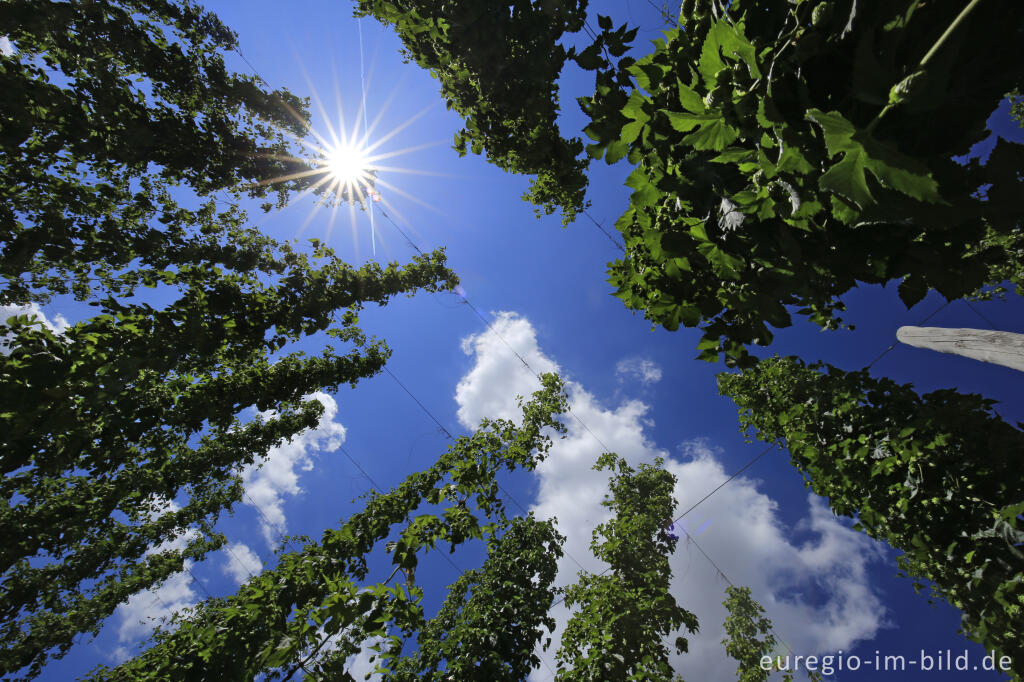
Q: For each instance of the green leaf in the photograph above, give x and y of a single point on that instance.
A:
(714, 135)
(861, 153)
(684, 122)
(634, 107)
(912, 291)
(631, 131)
(689, 99)
(617, 150)
(735, 155)
(727, 39)
(590, 59)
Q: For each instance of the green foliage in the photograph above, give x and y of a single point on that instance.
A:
(107, 423)
(936, 476)
(498, 67)
(1017, 106)
(312, 611)
(492, 633)
(122, 439)
(749, 637)
(624, 616)
(107, 107)
(785, 151)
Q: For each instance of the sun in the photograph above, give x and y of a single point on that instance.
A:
(349, 165)
(341, 165)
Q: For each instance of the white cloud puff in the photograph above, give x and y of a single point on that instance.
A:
(57, 325)
(815, 589)
(144, 610)
(6, 49)
(639, 369)
(489, 389)
(266, 482)
(359, 666)
(241, 562)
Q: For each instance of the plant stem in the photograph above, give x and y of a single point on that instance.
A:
(931, 53)
(949, 31)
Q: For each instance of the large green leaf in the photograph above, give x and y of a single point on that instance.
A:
(727, 39)
(689, 98)
(863, 153)
(634, 108)
(714, 135)
(713, 132)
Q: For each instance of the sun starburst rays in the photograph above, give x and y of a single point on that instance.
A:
(341, 162)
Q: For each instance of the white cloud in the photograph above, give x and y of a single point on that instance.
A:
(820, 579)
(143, 610)
(489, 389)
(266, 482)
(58, 325)
(6, 49)
(360, 665)
(643, 370)
(241, 563)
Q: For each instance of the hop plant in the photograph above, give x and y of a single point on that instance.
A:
(821, 14)
(907, 88)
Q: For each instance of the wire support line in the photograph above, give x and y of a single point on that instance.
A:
(412, 244)
(276, 527)
(701, 501)
(490, 328)
(227, 547)
(521, 359)
(891, 346)
(663, 11)
(726, 482)
(362, 471)
(445, 431)
(979, 314)
(449, 436)
(608, 234)
(500, 487)
(252, 68)
(718, 570)
(366, 127)
(196, 581)
(380, 491)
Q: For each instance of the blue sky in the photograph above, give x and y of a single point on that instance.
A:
(639, 390)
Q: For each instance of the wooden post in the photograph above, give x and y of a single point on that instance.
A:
(1000, 348)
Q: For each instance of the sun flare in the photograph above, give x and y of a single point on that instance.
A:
(342, 165)
(349, 165)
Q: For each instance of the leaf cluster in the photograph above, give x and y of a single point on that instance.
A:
(498, 66)
(786, 151)
(936, 476)
(312, 612)
(106, 424)
(108, 107)
(122, 439)
(625, 615)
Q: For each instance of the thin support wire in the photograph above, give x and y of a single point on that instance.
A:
(608, 234)
(979, 314)
(886, 351)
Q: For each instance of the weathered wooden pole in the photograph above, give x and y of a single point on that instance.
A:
(1000, 348)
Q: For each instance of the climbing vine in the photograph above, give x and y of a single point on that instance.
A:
(786, 151)
(498, 65)
(936, 476)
